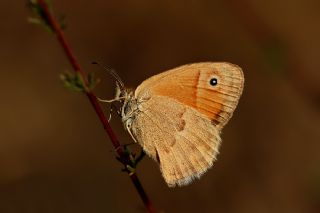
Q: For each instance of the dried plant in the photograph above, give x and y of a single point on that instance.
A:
(82, 82)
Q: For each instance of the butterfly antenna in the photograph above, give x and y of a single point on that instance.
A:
(111, 72)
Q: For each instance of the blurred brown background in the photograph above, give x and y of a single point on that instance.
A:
(55, 156)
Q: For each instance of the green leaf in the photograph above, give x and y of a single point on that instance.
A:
(131, 169)
(74, 82)
(40, 23)
(139, 157)
(39, 16)
(92, 81)
(62, 21)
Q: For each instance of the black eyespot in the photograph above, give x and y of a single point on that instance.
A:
(213, 81)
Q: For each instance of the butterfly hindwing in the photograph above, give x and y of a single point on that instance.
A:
(181, 139)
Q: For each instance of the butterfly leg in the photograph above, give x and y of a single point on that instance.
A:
(117, 110)
(108, 101)
(140, 156)
(112, 108)
(134, 139)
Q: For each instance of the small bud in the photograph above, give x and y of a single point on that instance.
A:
(74, 82)
(40, 17)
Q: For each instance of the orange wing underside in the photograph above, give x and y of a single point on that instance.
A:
(190, 85)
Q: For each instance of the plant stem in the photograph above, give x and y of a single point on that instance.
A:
(94, 102)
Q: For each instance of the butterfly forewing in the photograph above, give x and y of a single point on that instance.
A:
(191, 85)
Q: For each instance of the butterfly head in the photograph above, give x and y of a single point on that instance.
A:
(125, 96)
(128, 108)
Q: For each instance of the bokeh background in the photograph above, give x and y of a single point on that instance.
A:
(56, 157)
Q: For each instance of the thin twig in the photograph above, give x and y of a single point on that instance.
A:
(94, 102)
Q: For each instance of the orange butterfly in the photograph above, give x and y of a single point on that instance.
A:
(177, 116)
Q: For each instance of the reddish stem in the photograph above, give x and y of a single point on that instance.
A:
(94, 102)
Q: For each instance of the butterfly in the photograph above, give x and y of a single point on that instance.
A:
(177, 116)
